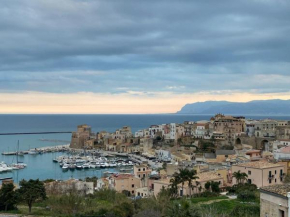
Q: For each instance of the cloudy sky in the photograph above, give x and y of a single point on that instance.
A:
(131, 56)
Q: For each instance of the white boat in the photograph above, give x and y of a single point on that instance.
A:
(79, 167)
(86, 166)
(32, 152)
(4, 167)
(65, 167)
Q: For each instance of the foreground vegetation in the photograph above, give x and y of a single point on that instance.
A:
(109, 203)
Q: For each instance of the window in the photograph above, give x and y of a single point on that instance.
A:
(143, 169)
(144, 175)
(133, 185)
(132, 192)
(249, 181)
(275, 171)
(275, 180)
(249, 172)
(139, 169)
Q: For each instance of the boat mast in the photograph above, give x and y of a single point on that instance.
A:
(17, 152)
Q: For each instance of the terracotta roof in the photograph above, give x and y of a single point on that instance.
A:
(278, 189)
(207, 176)
(259, 164)
(122, 176)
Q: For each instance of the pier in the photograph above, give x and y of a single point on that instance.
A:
(29, 133)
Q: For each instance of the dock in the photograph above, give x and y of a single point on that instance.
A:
(29, 133)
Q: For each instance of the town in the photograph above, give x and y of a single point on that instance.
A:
(226, 150)
(225, 166)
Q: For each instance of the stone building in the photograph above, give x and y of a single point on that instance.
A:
(265, 128)
(275, 201)
(229, 126)
(79, 139)
(69, 186)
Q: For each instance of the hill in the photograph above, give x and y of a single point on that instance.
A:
(256, 107)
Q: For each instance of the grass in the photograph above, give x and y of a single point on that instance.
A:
(206, 199)
(225, 206)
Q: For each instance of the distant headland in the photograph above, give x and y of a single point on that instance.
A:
(256, 107)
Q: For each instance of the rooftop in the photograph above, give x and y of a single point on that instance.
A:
(206, 176)
(278, 189)
(260, 164)
(123, 176)
(225, 152)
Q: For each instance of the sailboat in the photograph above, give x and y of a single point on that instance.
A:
(18, 165)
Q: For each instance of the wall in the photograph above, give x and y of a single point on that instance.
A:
(270, 205)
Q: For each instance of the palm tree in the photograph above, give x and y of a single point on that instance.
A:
(183, 177)
(190, 177)
(174, 184)
(240, 177)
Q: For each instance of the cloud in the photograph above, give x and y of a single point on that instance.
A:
(132, 47)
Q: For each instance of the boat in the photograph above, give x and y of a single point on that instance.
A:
(79, 167)
(4, 167)
(72, 166)
(32, 152)
(86, 166)
(65, 167)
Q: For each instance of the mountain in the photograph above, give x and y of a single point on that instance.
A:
(256, 107)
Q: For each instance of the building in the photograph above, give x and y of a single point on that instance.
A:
(275, 201)
(81, 136)
(222, 155)
(69, 186)
(282, 153)
(124, 182)
(163, 155)
(143, 172)
(202, 129)
(261, 173)
(265, 128)
(228, 126)
(203, 178)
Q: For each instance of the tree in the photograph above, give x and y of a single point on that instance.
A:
(8, 197)
(183, 177)
(174, 185)
(31, 191)
(240, 177)
(190, 177)
(215, 187)
(207, 186)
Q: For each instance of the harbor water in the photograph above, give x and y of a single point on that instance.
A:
(42, 166)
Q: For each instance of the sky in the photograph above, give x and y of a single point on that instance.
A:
(135, 56)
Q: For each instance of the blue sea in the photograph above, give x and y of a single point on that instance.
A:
(42, 166)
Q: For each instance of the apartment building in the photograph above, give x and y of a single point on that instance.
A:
(261, 173)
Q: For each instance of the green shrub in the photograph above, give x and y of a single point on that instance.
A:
(243, 210)
(247, 196)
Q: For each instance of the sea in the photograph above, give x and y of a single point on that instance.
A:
(42, 167)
